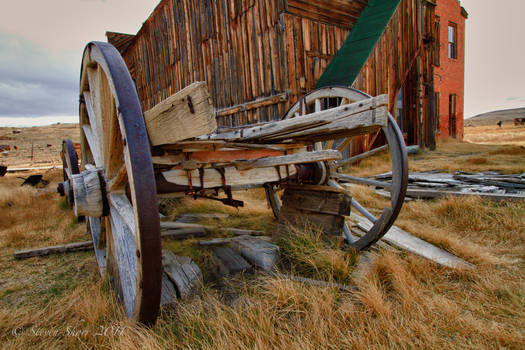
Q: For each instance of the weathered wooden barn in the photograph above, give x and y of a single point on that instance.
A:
(260, 56)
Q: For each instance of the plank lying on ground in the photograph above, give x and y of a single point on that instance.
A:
(185, 114)
(429, 194)
(182, 272)
(404, 240)
(171, 225)
(65, 248)
(195, 217)
(183, 233)
(312, 282)
(299, 158)
(13, 170)
(309, 121)
(227, 262)
(226, 240)
(257, 251)
(213, 179)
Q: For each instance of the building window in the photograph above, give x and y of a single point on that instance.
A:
(452, 41)
(437, 43)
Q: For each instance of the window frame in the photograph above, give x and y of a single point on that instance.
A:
(452, 45)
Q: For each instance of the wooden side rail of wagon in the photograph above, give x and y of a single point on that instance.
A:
(130, 158)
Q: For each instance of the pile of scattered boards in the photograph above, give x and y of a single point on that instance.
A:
(488, 185)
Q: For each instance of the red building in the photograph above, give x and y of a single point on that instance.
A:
(449, 68)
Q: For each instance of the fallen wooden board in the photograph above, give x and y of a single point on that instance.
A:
(404, 240)
(226, 262)
(171, 225)
(65, 248)
(187, 113)
(13, 170)
(257, 251)
(182, 272)
(431, 194)
(225, 240)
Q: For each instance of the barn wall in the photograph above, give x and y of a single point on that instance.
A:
(252, 49)
(237, 46)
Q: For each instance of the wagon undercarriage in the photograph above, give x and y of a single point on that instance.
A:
(126, 169)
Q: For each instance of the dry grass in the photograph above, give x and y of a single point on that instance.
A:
(508, 134)
(403, 302)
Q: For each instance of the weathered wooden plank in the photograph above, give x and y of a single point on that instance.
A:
(258, 103)
(212, 178)
(182, 272)
(64, 248)
(327, 223)
(299, 158)
(170, 225)
(319, 201)
(226, 262)
(404, 240)
(431, 194)
(257, 251)
(185, 114)
(276, 130)
(184, 233)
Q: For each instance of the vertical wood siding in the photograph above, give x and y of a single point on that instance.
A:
(250, 49)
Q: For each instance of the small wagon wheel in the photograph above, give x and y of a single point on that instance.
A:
(69, 168)
(324, 98)
(115, 142)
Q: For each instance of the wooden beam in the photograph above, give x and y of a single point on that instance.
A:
(299, 158)
(284, 129)
(430, 194)
(260, 102)
(65, 248)
(185, 114)
(212, 178)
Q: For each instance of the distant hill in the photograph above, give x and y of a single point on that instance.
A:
(492, 118)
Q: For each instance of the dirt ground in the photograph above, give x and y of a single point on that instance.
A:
(43, 143)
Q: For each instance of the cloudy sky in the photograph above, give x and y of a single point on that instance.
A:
(41, 45)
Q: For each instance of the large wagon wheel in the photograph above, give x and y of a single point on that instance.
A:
(324, 98)
(114, 141)
(69, 168)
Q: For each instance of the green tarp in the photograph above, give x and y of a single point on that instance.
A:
(350, 59)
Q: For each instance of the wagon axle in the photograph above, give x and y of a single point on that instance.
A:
(88, 189)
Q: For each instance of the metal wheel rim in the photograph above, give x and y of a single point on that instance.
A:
(399, 168)
(114, 139)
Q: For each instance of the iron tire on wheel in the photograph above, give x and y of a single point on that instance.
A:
(315, 101)
(115, 142)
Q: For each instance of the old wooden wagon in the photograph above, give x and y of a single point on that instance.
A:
(150, 128)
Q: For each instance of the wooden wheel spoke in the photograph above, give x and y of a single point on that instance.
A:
(360, 180)
(363, 211)
(98, 235)
(93, 144)
(125, 253)
(93, 114)
(121, 205)
(358, 157)
(119, 180)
